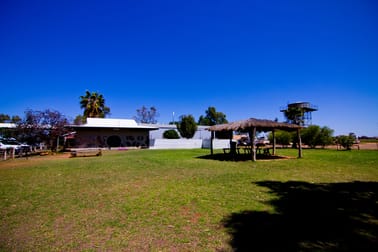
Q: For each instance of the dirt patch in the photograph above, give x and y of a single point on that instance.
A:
(26, 161)
(364, 146)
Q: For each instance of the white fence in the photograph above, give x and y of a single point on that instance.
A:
(217, 143)
(8, 153)
(176, 144)
(188, 143)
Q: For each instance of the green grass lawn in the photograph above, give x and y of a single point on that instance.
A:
(173, 200)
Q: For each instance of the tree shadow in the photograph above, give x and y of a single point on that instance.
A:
(239, 157)
(310, 217)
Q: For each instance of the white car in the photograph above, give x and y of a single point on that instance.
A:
(7, 143)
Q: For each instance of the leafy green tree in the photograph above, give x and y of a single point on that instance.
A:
(16, 119)
(79, 120)
(345, 141)
(171, 134)
(4, 118)
(187, 126)
(283, 138)
(93, 105)
(314, 136)
(212, 117)
(145, 115)
(325, 137)
(310, 135)
(353, 136)
(294, 115)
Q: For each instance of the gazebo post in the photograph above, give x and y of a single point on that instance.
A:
(274, 141)
(232, 145)
(252, 135)
(211, 143)
(299, 143)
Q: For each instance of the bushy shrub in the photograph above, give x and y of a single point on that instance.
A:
(345, 141)
(171, 134)
(283, 138)
(314, 136)
(187, 126)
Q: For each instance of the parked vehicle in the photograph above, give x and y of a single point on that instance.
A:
(262, 141)
(7, 143)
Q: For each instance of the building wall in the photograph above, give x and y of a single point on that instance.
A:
(176, 144)
(201, 139)
(104, 138)
(201, 132)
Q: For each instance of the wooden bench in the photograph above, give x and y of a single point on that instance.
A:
(264, 150)
(231, 151)
(86, 153)
(246, 149)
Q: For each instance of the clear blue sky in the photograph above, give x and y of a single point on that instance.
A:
(246, 58)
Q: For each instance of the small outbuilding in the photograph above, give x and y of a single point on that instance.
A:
(252, 126)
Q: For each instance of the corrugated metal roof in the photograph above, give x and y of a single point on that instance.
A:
(114, 123)
(8, 125)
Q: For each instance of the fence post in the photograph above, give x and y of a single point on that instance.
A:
(13, 153)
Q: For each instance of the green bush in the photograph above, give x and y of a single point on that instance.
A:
(283, 138)
(314, 136)
(345, 141)
(171, 134)
(187, 126)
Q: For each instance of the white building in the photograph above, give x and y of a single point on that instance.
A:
(107, 133)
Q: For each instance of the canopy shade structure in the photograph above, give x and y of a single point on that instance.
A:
(260, 124)
(252, 125)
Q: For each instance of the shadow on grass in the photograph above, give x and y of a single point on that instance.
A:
(239, 157)
(310, 217)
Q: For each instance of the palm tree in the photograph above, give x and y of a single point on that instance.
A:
(93, 105)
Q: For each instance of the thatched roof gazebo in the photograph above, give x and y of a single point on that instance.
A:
(251, 126)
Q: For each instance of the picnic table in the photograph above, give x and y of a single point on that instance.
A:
(86, 152)
(260, 149)
(233, 150)
(265, 150)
